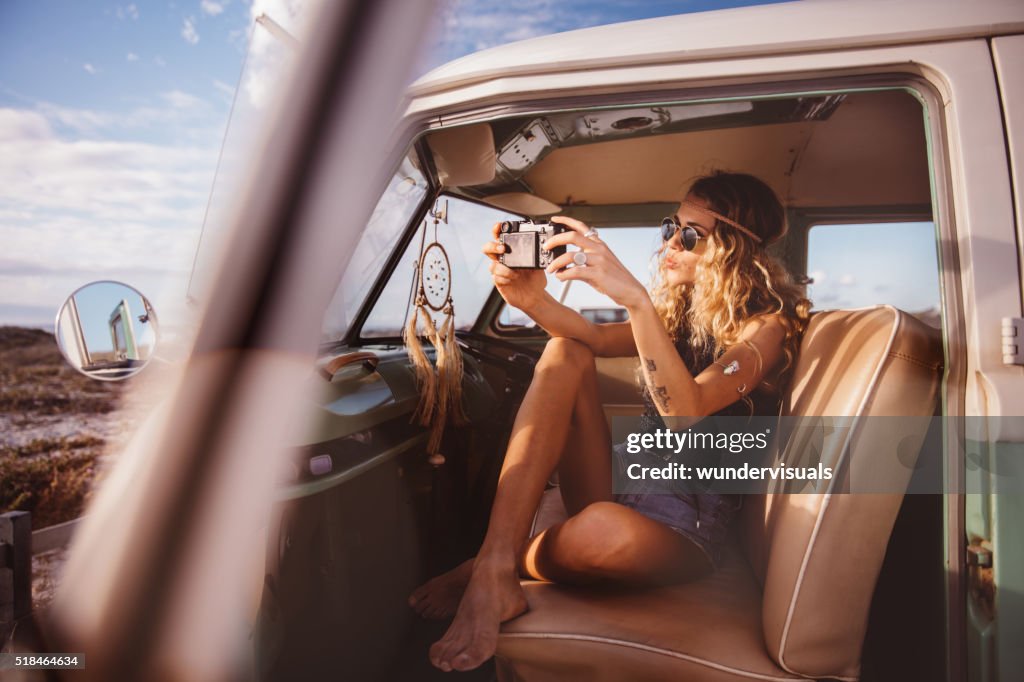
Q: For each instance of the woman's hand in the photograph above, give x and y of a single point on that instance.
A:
(521, 288)
(603, 270)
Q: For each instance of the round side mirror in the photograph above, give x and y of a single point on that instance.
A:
(107, 330)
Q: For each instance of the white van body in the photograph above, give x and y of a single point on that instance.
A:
(966, 61)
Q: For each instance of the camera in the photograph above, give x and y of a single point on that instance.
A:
(523, 241)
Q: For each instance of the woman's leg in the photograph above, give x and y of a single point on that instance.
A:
(609, 542)
(563, 393)
(585, 467)
(584, 470)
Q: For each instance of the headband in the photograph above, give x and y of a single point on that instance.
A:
(719, 216)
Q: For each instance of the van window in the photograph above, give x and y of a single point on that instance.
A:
(468, 228)
(393, 212)
(853, 266)
(634, 246)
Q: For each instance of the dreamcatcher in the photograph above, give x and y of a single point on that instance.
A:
(440, 386)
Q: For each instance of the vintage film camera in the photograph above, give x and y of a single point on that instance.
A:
(523, 239)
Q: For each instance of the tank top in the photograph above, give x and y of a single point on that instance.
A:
(765, 401)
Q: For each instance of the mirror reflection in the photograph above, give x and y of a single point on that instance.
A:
(107, 330)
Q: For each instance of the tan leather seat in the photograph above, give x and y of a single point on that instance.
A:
(791, 599)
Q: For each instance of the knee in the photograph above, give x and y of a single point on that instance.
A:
(600, 539)
(562, 353)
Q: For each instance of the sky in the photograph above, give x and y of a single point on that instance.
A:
(111, 121)
(842, 262)
(113, 115)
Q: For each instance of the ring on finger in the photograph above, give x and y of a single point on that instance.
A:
(579, 258)
(591, 233)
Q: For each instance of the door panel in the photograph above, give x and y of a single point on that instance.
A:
(154, 587)
(364, 518)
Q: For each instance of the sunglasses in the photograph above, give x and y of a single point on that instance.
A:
(688, 236)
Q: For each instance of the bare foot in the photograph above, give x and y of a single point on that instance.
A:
(439, 597)
(492, 596)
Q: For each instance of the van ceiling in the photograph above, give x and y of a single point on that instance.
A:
(871, 151)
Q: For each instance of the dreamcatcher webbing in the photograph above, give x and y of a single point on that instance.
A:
(440, 384)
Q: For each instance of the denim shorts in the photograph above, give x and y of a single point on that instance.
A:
(703, 518)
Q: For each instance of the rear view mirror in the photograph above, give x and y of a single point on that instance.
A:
(107, 330)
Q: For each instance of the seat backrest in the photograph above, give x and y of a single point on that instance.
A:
(818, 554)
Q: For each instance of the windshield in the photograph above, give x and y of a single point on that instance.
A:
(468, 228)
(392, 214)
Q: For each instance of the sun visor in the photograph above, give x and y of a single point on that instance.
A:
(463, 156)
(522, 204)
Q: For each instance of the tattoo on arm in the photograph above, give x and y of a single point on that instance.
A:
(660, 395)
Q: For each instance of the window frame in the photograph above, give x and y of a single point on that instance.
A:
(353, 335)
(400, 253)
(802, 220)
(373, 295)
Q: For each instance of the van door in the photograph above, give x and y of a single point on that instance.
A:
(158, 575)
(995, 609)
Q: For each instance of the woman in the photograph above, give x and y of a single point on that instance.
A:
(717, 334)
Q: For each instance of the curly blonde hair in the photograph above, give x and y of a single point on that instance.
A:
(737, 278)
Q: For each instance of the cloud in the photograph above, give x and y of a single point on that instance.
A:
(181, 100)
(77, 205)
(9, 267)
(818, 276)
(188, 31)
(63, 182)
(128, 12)
(28, 315)
(212, 8)
(132, 57)
(178, 114)
(159, 61)
(228, 91)
(847, 280)
(467, 26)
(90, 69)
(238, 37)
(23, 126)
(72, 119)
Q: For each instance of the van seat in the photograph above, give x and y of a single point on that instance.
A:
(792, 597)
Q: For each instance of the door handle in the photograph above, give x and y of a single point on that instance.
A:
(328, 369)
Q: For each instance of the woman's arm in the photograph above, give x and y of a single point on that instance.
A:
(677, 393)
(525, 289)
(610, 340)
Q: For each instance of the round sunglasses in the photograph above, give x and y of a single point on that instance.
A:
(688, 236)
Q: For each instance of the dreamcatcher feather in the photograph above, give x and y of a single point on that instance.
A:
(440, 384)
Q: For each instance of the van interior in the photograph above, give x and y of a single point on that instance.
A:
(817, 586)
